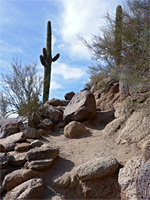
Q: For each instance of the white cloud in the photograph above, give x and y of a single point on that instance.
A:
(55, 85)
(67, 72)
(83, 17)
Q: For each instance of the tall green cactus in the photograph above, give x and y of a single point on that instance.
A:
(118, 35)
(46, 61)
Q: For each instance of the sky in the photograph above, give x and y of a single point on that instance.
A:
(23, 25)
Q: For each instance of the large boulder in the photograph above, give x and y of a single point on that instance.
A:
(46, 124)
(32, 133)
(81, 107)
(128, 175)
(52, 113)
(31, 189)
(143, 182)
(74, 129)
(17, 177)
(97, 168)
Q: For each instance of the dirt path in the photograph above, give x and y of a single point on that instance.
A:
(74, 152)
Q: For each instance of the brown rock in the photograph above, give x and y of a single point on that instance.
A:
(69, 95)
(36, 143)
(22, 146)
(54, 102)
(52, 113)
(9, 142)
(39, 164)
(81, 107)
(9, 129)
(97, 168)
(146, 150)
(43, 152)
(32, 133)
(31, 189)
(17, 159)
(17, 177)
(46, 124)
(74, 129)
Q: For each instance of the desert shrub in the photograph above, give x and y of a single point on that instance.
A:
(21, 90)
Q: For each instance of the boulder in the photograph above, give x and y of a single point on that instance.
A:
(63, 181)
(36, 143)
(39, 164)
(74, 129)
(25, 146)
(31, 189)
(43, 152)
(65, 102)
(97, 168)
(127, 177)
(52, 113)
(143, 182)
(34, 120)
(17, 159)
(69, 95)
(32, 133)
(46, 124)
(17, 177)
(54, 102)
(9, 142)
(4, 158)
(81, 107)
(9, 129)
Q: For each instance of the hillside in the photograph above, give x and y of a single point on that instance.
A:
(99, 158)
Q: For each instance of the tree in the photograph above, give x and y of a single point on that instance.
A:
(133, 45)
(21, 90)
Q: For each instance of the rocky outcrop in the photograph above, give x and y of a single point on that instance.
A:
(146, 150)
(31, 189)
(81, 107)
(74, 129)
(128, 175)
(143, 182)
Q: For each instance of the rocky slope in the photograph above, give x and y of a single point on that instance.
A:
(89, 146)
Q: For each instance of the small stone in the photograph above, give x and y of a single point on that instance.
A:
(36, 143)
(22, 146)
(39, 164)
(69, 95)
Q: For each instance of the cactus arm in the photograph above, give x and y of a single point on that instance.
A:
(55, 57)
(42, 60)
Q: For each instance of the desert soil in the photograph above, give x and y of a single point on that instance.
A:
(73, 152)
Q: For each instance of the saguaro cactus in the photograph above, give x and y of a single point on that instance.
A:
(118, 35)
(46, 61)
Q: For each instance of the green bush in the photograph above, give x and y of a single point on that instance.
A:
(21, 90)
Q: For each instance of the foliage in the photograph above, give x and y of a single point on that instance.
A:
(21, 90)
(135, 46)
(46, 61)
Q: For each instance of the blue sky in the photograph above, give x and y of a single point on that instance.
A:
(23, 35)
